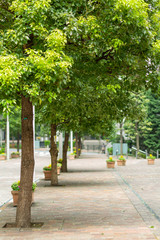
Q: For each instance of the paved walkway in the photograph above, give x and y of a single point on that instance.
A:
(94, 203)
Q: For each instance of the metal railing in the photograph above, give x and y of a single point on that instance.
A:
(145, 152)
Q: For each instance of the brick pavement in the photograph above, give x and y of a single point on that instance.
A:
(90, 203)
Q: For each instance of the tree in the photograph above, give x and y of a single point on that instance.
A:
(110, 42)
(151, 139)
(138, 124)
(33, 65)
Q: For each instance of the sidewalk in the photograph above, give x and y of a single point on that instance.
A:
(93, 203)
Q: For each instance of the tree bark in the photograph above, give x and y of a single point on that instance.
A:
(54, 154)
(65, 148)
(77, 154)
(18, 137)
(121, 137)
(79, 145)
(23, 215)
(137, 137)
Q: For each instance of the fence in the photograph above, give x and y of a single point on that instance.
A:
(140, 152)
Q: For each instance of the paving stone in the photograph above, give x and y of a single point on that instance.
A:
(93, 203)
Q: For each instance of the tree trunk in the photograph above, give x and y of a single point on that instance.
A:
(121, 137)
(18, 137)
(54, 154)
(77, 154)
(79, 146)
(23, 215)
(137, 137)
(65, 148)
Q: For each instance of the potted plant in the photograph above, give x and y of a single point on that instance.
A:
(15, 154)
(47, 171)
(75, 154)
(72, 156)
(110, 162)
(15, 191)
(151, 159)
(2, 156)
(121, 161)
(59, 165)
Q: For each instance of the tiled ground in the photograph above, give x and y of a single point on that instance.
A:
(91, 203)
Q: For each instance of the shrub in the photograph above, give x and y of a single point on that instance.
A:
(110, 150)
(47, 143)
(141, 155)
(15, 153)
(2, 150)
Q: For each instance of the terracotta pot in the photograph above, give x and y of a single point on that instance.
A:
(15, 155)
(58, 170)
(71, 157)
(15, 197)
(110, 164)
(47, 175)
(121, 162)
(2, 157)
(151, 161)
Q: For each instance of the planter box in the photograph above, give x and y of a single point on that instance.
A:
(121, 162)
(71, 157)
(151, 161)
(2, 157)
(15, 197)
(15, 155)
(110, 164)
(47, 175)
(58, 170)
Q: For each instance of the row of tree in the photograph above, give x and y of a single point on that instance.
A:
(78, 62)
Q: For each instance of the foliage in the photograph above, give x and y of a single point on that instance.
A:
(151, 156)
(151, 139)
(16, 186)
(122, 158)
(138, 125)
(60, 160)
(2, 150)
(59, 165)
(47, 143)
(49, 167)
(110, 150)
(141, 155)
(15, 153)
(110, 160)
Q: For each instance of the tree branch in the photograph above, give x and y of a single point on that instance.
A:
(105, 55)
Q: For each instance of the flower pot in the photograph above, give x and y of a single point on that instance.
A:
(110, 164)
(121, 162)
(2, 157)
(58, 170)
(151, 161)
(71, 157)
(15, 197)
(15, 155)
(47, 175)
